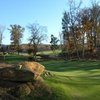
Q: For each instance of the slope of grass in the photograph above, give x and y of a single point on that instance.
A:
(75, 80)
(71, 80)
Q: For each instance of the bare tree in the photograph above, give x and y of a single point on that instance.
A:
(85, 27)
(38, 34)
(95, 17)
(73, 11)
(69, 23)
(2, 28)
(61, 40)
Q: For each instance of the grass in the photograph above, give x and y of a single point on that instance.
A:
(71, 80)
(13, 58)
(75, 80)
(50, 52)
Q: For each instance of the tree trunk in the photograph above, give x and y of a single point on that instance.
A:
(83, 50)
(34, 51)
(76, 45)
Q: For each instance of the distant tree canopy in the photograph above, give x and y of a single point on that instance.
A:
(16, 36)
(81, 29)
(38, 34)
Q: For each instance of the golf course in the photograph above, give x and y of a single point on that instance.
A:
(74, 80)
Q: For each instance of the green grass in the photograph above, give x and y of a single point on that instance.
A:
(13, 58)
(75, 80)
(71, 80)
(50, 52)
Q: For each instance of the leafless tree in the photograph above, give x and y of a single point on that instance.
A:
(70, 21)
(2, 28)
(38, 34)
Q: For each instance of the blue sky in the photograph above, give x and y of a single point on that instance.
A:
(23, 12)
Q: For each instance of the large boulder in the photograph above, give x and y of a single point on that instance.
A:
(7, 97)
(14, 74)
(17, 82)
(21, 90)
(33, 67)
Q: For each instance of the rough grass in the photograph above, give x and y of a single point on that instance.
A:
(74, 80)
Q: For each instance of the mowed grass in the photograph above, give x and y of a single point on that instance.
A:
(74, 80)
(13, 58)
(70, 80)
(50, 52)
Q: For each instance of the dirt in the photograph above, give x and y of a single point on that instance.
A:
(2, 65)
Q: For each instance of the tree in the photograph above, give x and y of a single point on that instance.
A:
(16, 36)
(2, 28)
(90, 19)
(69, 23)
(65, 32)
(61, 40)
(38, 34)
(95, 17)
(54, 42)
(81, 29)
(84, 22)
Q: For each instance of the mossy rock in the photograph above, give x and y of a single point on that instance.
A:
(16, 75)
(20, 91)
(7, 97)
(33, 67)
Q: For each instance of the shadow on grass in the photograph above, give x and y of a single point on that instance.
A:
(80, 80)
(75, 81)
(63, 66)
(13, 59)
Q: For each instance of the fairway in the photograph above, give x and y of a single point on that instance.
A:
(74, 80)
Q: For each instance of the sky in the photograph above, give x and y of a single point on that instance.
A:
(47, 13)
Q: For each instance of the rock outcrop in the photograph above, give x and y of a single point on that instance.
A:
(33, 67)
(14, 74)
(20, 81)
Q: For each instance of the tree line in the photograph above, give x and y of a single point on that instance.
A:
(37, 35)
(80, 36)
(81, 30)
